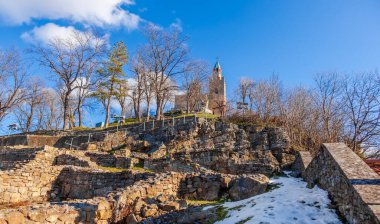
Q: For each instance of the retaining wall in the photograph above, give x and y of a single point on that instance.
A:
(29, 140)
(352, 184)
(301, 162)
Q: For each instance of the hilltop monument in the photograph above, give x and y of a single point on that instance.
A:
(217, 92)
(213, 102)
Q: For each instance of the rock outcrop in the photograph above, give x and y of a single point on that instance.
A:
(89, 179)
(245, 187)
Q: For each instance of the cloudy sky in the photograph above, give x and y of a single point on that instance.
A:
(294, 39)
(253, 38)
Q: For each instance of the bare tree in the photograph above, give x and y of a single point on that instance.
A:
(194, 83)
(267, 97)
(328, 99)
(49, 112)
(165, 55)
(299, 117)
(169, 95)
(122, 95)
(140, 76)
(245, 88)
(12, 77)
(26, 111)
(81, 94)
(148, 92)
(362, 106)
(144, 88)
(70, 59)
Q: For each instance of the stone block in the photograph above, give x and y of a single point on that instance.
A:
(15, 218)
(246, 187)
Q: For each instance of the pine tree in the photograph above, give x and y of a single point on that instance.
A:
(111, 75)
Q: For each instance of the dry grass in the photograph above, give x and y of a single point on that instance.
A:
(14, 205)
(112, 169)
(202, 202)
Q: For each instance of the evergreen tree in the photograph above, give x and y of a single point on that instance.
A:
(111, 75)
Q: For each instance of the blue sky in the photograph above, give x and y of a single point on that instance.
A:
(294, 39)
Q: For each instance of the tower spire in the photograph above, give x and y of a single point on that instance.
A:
(218, 68)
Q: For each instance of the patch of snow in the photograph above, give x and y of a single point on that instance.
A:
(292, 203)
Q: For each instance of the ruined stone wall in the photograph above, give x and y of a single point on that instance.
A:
(352, 184)
(79, 183)
(110, 140)
(176, 165)
(109, 160)
(302, 161)
(13, 140)
(221, 146)
(151, 195)
(133, 200)
(29, 140)
(10, 158)
(31, 181)
(31, 174)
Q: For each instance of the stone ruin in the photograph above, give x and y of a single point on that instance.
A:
(144, 173)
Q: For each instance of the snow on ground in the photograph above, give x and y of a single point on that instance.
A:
(291, 203)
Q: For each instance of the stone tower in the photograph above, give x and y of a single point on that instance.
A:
(217, 92)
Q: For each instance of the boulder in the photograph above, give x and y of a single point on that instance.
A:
(149, 212)
(36, 216)
(15, 218)
(91, 147)
(139, 205)
(131, 219)
(104, 210)
(170, 206)
(245, 187)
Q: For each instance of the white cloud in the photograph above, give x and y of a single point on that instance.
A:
(176, 25)
(47, 32)
(51, 31)
(99, 13)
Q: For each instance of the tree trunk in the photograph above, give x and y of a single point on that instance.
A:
(108, 109)
(147, 110)
(29, 121)
(66, 114)
(188, 104)
(158, 109)
(122, 113)
(136, 108)
(80, 122)
(138, 114)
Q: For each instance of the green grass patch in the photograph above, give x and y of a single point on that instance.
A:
(237, 208)
(141, 169)
(245, 220)
(117, 148)
(222, 213)
(112, 169)
(131, 120)
(118, 170)
(200, 115)
(202, 202)
(83, 128)
(204, 115)
(272, 187)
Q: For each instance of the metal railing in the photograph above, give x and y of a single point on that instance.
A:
(168, 122)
